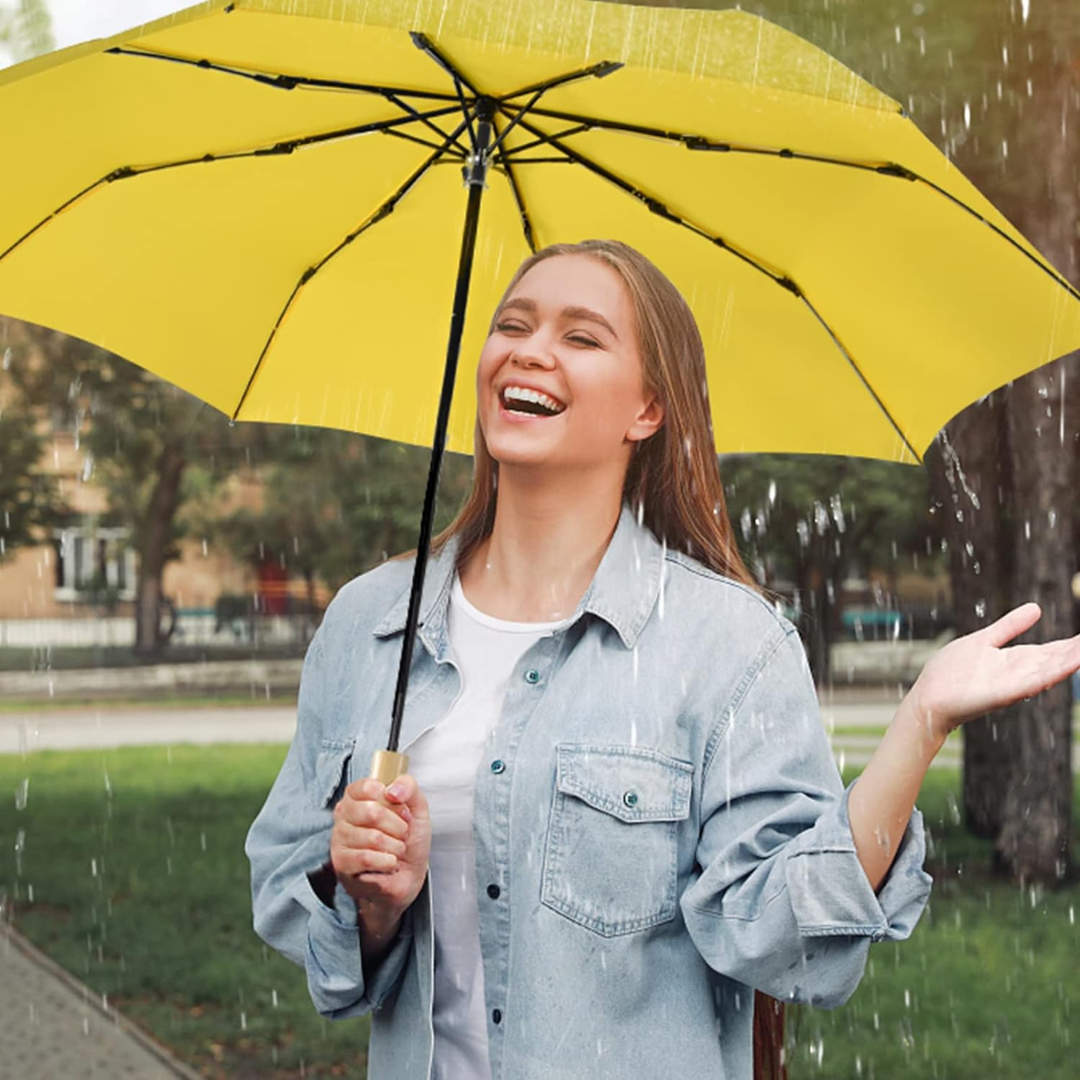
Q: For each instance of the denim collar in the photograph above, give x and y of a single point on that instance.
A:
(623, 591)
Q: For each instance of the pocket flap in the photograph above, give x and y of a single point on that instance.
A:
(330, 764)
(629, 782)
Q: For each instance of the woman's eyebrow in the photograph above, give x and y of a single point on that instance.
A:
(523, 303)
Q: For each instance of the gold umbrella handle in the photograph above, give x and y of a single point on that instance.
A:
(388, 765)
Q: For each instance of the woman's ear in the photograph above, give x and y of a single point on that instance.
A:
(648, 421)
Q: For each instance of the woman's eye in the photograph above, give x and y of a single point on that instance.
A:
(581, 339)
(507, 327)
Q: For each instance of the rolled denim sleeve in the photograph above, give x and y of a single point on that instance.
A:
(289, 838)
(782, 903)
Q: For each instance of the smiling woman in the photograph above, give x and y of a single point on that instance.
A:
(623, 842)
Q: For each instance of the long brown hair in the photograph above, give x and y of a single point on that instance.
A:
(672, 480)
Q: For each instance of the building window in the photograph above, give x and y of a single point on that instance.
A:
(89, 556)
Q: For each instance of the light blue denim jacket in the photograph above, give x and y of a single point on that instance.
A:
(658, 806)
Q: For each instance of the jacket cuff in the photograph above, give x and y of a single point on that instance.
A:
(830, 892)
(333, 958)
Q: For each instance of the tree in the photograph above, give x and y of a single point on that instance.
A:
(29, 502)
(814, 518)
(26, 29)
(140, 434)
(337, 503)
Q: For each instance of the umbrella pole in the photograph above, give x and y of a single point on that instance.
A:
(388, 764)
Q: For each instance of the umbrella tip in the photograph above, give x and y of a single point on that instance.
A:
(607, 67)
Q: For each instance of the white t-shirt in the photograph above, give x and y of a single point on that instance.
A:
(444, 761)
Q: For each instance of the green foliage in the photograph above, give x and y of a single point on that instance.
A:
(26, 29)
(337, 503)
(29, 501)
(791, 512)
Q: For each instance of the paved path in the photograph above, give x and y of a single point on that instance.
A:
(91, 728)
(88, 727)
(52, 1027)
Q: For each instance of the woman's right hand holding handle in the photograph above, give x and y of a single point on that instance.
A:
(379, 848)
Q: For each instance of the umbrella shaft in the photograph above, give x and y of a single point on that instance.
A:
(475, 174)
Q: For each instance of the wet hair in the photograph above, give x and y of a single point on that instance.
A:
(672, 479)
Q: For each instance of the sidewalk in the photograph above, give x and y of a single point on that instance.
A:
(52, 1027)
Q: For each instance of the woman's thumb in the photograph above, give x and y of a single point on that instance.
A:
(403, 789)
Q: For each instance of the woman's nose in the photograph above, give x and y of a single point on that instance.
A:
(532, 356)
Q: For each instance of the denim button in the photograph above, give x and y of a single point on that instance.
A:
(497, 766)
(496, 1015)
(532, 675)
(493, 892)
(630, 798)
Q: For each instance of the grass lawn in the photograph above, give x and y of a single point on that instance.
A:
(127, 867)
(140, 887)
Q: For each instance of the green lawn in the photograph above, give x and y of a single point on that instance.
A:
(127, 867)
(141, 888)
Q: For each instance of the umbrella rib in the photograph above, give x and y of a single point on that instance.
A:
(126, 172)
(458, 154)
(661, 210)
(427, 47)
(594, 71)
(519, 198)
(892, 169)
(380, 214)
(285, 82)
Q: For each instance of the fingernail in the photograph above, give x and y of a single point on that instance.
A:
(406, 814)
(397, 790)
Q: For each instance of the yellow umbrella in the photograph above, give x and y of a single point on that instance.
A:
(263, 200)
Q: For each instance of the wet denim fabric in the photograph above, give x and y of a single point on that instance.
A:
(658, 806)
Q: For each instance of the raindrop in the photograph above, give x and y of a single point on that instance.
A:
(273, 998)
(967, 116)
(772, 492)
(838, 511)
(93, 867)
(7, 359)
(21, 793)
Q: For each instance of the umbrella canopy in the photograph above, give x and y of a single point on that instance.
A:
(262, 202)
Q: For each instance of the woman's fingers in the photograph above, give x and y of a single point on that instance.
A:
(372, 814)
(1012, 624)
(357, 837)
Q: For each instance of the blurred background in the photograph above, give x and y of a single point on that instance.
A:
(161, 573)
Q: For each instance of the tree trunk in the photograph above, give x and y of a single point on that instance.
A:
(154, 549)
(969, 474)
(1034, 840)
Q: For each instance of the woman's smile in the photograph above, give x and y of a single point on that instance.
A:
(564, 342)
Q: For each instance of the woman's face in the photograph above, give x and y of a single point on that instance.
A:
(565, 331)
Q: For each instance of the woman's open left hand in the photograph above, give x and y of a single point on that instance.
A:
(973, 674)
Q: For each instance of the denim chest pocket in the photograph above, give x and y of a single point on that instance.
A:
(331, 771)
(611, 852)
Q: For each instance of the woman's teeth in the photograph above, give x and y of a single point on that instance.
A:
(541, 404)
